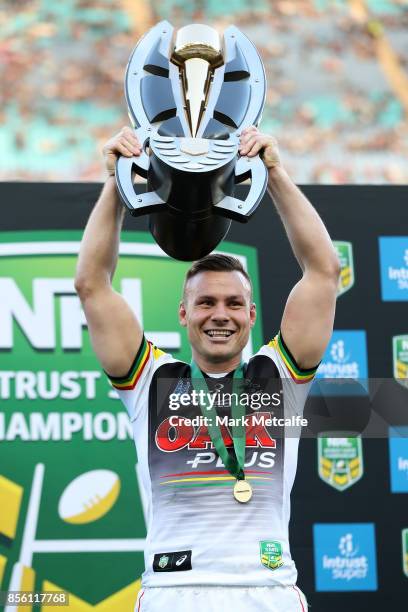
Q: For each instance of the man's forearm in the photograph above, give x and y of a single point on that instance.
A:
(100, 243)
(307, 234)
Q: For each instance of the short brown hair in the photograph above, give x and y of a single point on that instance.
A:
(216, 262)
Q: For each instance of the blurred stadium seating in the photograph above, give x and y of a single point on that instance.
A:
(337, 74)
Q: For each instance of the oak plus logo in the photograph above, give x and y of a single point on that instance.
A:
(175, 434)
(345, 557)
(394, 268)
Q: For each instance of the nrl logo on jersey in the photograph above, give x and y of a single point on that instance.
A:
(271, 554)
(405, 551)
(340, 461)
(163, 561)
(345, 255)
(400, 359)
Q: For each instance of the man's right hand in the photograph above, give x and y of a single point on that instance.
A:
(114, 330)
(123, 143)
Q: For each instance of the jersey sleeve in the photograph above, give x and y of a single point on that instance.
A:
(296, 380)
(288, 363)
(133, 388)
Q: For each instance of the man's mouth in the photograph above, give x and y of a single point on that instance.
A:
(219, 333)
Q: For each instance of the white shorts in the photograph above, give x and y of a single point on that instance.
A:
(221, 598)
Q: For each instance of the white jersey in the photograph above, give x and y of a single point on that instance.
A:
(197, 533)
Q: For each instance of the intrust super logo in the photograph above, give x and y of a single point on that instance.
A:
(345, 557)
(394, 268)
(345, 358)
(398, 449)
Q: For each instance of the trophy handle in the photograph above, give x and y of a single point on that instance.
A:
(149, 63)
(137, 203)
(242, 210)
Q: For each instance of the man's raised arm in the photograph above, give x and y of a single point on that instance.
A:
(308, 318)
(115, 333)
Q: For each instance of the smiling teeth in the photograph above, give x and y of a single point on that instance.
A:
(219, 332)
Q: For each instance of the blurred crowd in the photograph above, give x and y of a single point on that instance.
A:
(337, 74)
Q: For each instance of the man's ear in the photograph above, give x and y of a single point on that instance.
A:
(252, 314)
(182, 314)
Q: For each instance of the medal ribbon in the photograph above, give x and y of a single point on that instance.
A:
(234, 464)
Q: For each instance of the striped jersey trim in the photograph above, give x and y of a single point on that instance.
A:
(128, 382)
(299, 375)
(212, 478)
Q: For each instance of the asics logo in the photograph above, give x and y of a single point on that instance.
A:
(181, 560)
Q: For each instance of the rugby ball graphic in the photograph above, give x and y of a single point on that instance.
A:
(89, 497)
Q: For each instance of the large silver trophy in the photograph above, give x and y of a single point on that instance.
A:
(189, 94)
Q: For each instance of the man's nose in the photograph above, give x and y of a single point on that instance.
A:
(220, 313)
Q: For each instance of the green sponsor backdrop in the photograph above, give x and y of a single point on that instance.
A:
(57, 407)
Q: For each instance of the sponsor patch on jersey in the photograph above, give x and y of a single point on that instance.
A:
(179, 561)
(271, 554)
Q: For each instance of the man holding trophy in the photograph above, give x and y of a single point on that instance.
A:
(217, 474)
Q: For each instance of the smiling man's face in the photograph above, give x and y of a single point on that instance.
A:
(218, 313)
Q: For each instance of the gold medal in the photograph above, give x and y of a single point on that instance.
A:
(242, 491)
